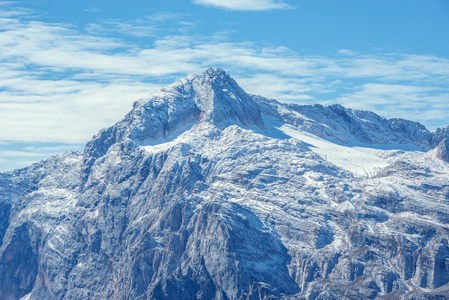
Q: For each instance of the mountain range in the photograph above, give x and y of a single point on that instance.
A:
(203, 191)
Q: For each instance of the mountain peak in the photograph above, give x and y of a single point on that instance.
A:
(216, 72)
(212, 96)
(185, 199)
(221, 99)
(214, 77)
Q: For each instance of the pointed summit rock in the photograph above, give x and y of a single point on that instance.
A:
(217, 98)
(442, 150)
(221, 99)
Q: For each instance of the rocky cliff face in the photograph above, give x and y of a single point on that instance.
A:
(203, 191)
(442, 151)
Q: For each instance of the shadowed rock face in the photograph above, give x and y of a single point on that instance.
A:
(442, 150)
(19, 263)
(198, 194)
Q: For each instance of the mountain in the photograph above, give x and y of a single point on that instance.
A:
(203, 191)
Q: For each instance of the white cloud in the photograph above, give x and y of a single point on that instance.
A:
(92, 9)
(284, 89)
(67, 112)
(150, 26)
(249, 5)
(426, 104)
(19, 155)
(7, 10)
(347, 52)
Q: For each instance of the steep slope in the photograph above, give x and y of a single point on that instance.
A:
(203, 191)
(442, 150)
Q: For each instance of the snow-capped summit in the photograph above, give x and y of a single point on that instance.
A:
(212, 97)
(222, 100)
(203, 191)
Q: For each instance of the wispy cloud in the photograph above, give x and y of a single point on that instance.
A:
(242, 5)
(19, 155)
(429, 104)
(93, 9)
(156, 24)
(9, 10)
(64, 111)
(285, 88)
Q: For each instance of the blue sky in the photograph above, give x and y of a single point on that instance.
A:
(70, 68)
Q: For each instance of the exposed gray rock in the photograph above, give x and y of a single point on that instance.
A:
(442, 150)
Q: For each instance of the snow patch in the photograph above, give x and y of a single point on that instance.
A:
(360, 161)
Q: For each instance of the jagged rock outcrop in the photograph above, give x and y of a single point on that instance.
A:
(205, 192)
(442, 150)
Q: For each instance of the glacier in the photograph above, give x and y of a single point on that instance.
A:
(203, 191)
